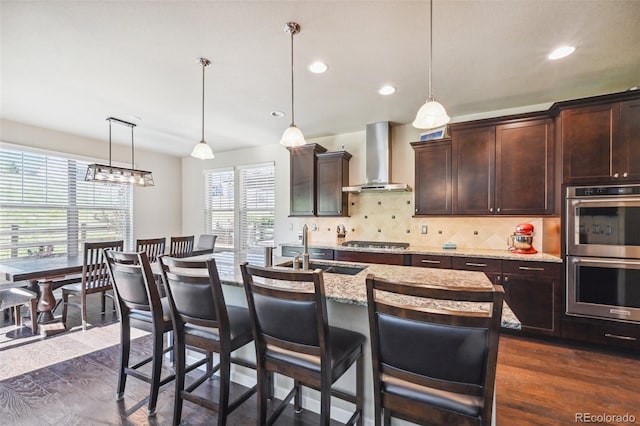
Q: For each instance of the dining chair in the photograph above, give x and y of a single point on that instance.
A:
(153, 247)
(205, 245)
(13, 298)
(293, 338)
(139, 306)
(181, 246)
(95, 279)
(433, 366)
(202, 319)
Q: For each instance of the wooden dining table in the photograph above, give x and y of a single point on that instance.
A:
(44, 275)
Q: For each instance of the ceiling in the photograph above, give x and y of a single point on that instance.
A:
(68, 65)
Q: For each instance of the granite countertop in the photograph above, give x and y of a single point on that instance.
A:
(350, 289)
(461, 252)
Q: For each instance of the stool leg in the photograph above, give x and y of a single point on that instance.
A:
(34, 315)
(360, 387)
(297, 399)
(18, 317)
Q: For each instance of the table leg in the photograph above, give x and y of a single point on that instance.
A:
(47, 323)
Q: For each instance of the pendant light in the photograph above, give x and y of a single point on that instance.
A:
(432, 114)
(202, 150)
(292, 136)
(122, 175)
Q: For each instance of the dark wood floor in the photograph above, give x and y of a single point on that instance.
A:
(538, 383)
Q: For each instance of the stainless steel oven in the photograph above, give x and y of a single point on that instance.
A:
(603, 252)
(603, 288)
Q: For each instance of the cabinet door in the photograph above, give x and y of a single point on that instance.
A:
(525, 168)
(474, 171)
(431, 261)
(370, 257)
(588, 136)
(433, 178)
(532, 291)
(333, 174)
(627, 158)
(303, 179)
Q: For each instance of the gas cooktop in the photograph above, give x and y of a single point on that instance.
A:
(376, 245)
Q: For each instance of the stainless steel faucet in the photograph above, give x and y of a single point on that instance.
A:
(305, 244)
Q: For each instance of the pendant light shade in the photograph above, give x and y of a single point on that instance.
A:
(119, 175)
(202, 150)
(432, 114)
(292, 136)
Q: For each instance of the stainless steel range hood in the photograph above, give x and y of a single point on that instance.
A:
(378, 161)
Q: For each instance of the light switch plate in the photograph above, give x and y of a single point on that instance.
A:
(424, 229)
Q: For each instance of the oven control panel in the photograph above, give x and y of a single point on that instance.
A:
(599, 191)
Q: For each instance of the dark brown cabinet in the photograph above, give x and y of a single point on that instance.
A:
(504, 169)
(432, 177)
(601, 143)
(431, 261)
(303, 179)
(533, 292)
(333, 174)
(371, 257)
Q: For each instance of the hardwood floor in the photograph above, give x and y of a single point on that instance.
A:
(538, 383)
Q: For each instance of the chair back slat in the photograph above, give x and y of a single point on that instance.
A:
(181, 246)
(95, 273)
(195, 292)
(450, 350)
(153, 247)
(287, 306)
(133, 280)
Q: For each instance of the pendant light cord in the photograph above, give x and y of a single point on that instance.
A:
(132, 150)
(292, 100)
(204, 64)
(109, 142)
(430, 44)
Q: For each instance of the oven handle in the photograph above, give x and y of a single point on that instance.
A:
(577, 201)
(575, 259)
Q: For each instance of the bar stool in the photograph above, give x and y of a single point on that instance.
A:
(433, 366)
(15, 297)
(202, 319)
(293, 338)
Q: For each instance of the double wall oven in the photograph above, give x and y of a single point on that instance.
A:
(603, 252)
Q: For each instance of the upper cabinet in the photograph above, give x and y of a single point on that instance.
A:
(333, 174)
(303, 179)
(317, 178)
(601, 143)
(505, 169)
(433, 177)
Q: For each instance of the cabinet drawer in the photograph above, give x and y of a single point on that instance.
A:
(314, 253)
(370, 257)
(476, 264)
(604, 332)
(532, 268)
(431, 261)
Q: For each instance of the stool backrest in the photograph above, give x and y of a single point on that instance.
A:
(288, 309)
(440, 349)
(95, 273)
(181, 246)
(154, 247)
(133, 282)
(195, 293)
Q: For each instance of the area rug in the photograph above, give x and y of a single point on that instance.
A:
(29, 354)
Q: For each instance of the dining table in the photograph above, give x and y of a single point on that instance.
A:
(44, 274)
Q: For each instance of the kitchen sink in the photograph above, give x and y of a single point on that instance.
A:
(330, 269)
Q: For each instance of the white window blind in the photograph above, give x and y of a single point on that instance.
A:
(240, 204)
(47, 209)
(219, 206)
(257, 205)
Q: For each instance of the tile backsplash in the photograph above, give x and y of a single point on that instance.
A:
(377, 216)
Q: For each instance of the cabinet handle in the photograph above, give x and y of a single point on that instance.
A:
(617, 336)
(479, 265)
(339, 211)
(498, 279)
(506, 279)
(491, 209)
(529, 268)
(615, 175)
(498, 209)
(625, 174)
(430, 261)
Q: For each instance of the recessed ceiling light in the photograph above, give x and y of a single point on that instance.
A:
(561, 52)
(387, 90)
(318, 67)
(135, 118)
(277, 114)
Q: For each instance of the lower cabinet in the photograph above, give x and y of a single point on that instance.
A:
(371, 257)
(610, 333)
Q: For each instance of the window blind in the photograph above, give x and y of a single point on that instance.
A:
(47, 209)
(257, 205)
(219, 199)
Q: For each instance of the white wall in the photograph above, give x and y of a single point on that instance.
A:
(157, 209)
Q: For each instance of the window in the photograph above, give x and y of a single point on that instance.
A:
(47, 209)
(240, 206)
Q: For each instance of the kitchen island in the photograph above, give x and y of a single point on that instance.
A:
(346, 306)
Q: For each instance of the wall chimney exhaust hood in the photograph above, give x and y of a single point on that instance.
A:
(378, 161)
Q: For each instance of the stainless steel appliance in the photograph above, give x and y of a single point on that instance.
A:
(376, 245)
(603, 252)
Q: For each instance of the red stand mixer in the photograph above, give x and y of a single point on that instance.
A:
(521, 240)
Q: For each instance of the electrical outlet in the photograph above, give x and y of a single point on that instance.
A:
(424, 229)
(314, 227)
(291, 227)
